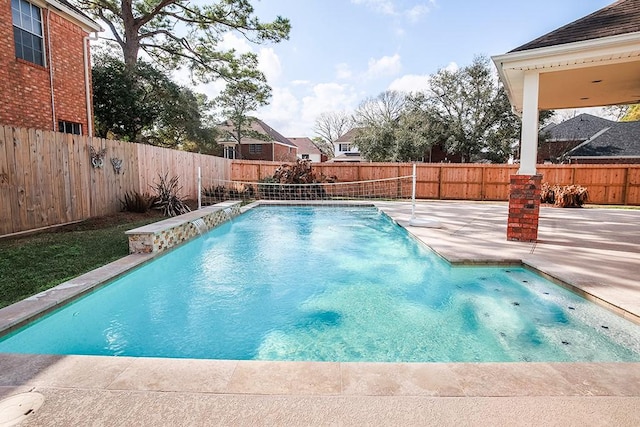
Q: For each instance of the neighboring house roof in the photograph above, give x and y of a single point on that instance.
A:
(260, 127)
(621, 17)
(305, 145)
(63, 5)
(348, 137)
(622, 139)
(578, 128)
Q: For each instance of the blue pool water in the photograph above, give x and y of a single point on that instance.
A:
(328, 284)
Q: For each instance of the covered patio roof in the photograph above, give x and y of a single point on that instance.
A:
(594, 61)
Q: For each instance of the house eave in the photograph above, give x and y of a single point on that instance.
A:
(512, 66)
(86, 23)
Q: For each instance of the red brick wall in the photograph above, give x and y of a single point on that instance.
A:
(285, 153)
(25, 88)
(264, 155)
(524, 207)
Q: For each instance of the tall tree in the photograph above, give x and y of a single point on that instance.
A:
(146, 106)
(241, 96)
(324, 146)
(393, 127)
(182, 32)
(330, 126)
(472, 110)
(125, 101)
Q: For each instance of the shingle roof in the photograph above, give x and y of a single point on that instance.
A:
(620, 140)
(349, 136)
(262, 128)
(621, 17)
(579, 128)
(305, 145)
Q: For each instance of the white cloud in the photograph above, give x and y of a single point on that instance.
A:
(382, 6)
(282, 111)
(343, 71)
(300, 82)
(417, 12)
(269, 64)
(293, 117)
(452, 67)
(385, 66)
(328, 97)
(411, 83)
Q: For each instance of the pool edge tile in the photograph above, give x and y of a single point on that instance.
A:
(175, 375)
(400, 379)
(278, 378)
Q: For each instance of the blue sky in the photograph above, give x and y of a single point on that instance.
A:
(341, 52)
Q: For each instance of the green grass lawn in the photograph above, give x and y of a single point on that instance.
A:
(33, 263)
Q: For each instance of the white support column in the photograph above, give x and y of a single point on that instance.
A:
(529, 136)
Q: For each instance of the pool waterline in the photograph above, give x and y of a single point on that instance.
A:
(330, 319)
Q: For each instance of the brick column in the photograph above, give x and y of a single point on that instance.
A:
(524, 207)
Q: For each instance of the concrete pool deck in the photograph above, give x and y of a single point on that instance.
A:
(596, 250)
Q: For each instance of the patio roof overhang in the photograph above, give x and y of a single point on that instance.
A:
(597, 72)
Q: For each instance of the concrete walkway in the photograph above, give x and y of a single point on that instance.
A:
(596, 250)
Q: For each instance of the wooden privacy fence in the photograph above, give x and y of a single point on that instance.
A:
(607, 184)
(47, 178)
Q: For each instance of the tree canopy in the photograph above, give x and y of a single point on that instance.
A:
(240, 97)
(146, 106)
(180, 32)
(330, 126)
(470, 107)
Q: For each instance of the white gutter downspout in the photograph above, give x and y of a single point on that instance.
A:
(53, 98)
(87, 82)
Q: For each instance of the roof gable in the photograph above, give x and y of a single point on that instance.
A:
(578, 128)
(305, 145)
(349, 136)
(258, 126)
(621, 17)
(620, 140)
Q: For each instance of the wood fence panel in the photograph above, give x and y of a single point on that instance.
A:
(8, 193)
(557, 174)
(461, 182)
(605, 184)
(496, 181)
(632, 193)
(46, 178)
(344, 172)
(427, 181)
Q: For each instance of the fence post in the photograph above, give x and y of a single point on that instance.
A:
(199, 188)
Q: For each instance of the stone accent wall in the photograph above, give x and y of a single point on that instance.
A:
(163, 235)
(524, 207)
(25, 88)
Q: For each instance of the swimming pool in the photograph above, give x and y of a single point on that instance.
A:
(333, 284)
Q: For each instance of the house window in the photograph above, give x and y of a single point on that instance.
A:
(255, 148)
(69, 127)
(229, 152)
(305, 156)
(344, 147)
(27, 31)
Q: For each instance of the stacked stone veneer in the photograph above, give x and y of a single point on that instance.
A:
(524, 207)
(171, 232)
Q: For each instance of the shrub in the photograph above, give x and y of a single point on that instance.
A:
(136, 202)
(167, 199)
(567, 196)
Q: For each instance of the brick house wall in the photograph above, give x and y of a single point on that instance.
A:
(282, 153)
(25, 87)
